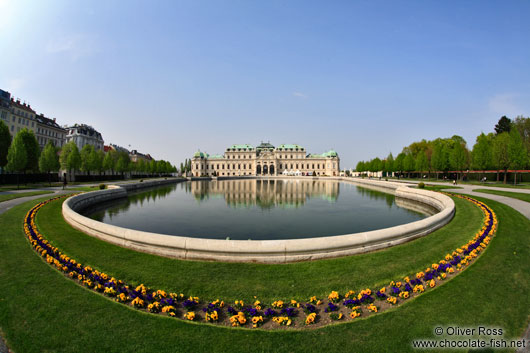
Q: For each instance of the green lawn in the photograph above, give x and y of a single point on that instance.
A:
(232, 281)
(515, 195)
(42, 311)
(500, 184)
(6, 197)
(440, 187)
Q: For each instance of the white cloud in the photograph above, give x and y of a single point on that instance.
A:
(76, 46)
(300, 95)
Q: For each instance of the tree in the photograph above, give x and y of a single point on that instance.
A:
(408, 164)
(122, 164)
(49, 161)
(70, 157)
(439, 161)
(88, 162)
(398, 163)
(501, 158)
(422, 164)
(504, 125)
(5, 142)
(481, 156)
(32, 150)
(17, 156)
(458, 157)
(98, 160)
(522, 124)
(516, 152)
(389, 165)
(360, 167)
(109, 162)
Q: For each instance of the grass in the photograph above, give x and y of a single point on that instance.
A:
(232, 281)
(42, 311)
(6, 197)
(440, 187)
(524, 185)
(515, 195)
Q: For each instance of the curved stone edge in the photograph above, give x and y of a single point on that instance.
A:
(260, 251)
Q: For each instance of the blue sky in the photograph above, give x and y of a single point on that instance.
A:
(362, 77)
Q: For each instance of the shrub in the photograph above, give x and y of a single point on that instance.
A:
(102, 186)
(141, 180)
(421, 185)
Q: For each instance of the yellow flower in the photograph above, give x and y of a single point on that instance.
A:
(355, 314)
(190, 315)
(432, 283)
(310, 319)
(333, 296)
(372, 308)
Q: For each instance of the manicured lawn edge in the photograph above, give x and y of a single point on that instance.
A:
(7, 197)
(41, 310)
(236, 281)
(516, 195)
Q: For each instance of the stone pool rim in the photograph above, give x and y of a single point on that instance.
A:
(259, 251)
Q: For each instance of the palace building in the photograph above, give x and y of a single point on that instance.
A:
(265, 160)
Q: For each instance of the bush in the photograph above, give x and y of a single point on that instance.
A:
(421, 185)
(141, 180)
(102, 186)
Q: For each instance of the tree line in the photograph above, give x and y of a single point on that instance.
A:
(22, 154)
(506, 148)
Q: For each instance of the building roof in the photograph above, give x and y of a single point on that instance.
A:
(23, 106)
(290, 147)
(245, 147)
(41, 119)
(200, 154)
(84, 129)
(216, 156)
(330, 153)
(265, 146)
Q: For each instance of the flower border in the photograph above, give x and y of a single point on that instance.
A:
(366, 302)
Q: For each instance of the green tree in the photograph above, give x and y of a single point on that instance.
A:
(17, 156)
(88, 162)
(377, 166)
(459, 157)
(408, 164)
(522, 125)
(49, 160)
(359, 167)
(98, 161)
(501, 157)
(398, 163)
(481, 157)
(516, 152)
(5, 142)
(389, 164)
(122, 165)
(32, 150)
(504, 125)
(439, 160)
(109, 162)
(422, 164)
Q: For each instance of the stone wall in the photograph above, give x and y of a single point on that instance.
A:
(263, 251)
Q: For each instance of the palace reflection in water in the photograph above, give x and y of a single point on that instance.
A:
(265, 193)
(258, 209)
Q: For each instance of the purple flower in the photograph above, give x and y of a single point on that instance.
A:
(269, 312)
(288, 312)
(331, 307)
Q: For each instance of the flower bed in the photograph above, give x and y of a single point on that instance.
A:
(279, 314)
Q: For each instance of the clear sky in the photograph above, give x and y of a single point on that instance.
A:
(361, 77)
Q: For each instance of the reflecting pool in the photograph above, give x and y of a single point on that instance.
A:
(258, 209)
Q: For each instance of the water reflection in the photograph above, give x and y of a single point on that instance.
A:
(258, 209)
(265, 194)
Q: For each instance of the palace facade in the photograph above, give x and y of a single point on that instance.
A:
(265, 160)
